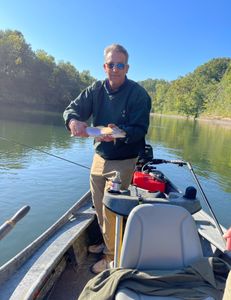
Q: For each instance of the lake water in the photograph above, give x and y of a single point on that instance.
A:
(50, 185)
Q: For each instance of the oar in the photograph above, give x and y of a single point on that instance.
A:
(9, 224)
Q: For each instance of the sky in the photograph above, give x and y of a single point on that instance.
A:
(165, 39)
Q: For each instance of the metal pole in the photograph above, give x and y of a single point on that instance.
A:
(205, 199)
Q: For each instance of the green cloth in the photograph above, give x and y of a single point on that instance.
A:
(206, 277)
(128, 108)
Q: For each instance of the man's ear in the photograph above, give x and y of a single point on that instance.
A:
(127, 66)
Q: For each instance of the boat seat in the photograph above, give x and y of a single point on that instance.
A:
(158, 237)
(126, 294)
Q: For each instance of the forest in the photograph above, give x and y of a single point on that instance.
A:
(204, 92)
(35, 79)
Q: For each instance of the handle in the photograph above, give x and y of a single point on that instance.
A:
(9, 224)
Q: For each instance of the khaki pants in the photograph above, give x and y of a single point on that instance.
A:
(102, 170)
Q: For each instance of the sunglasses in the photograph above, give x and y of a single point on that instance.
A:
(119, 66)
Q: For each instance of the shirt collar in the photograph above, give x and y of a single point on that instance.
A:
(109, 90)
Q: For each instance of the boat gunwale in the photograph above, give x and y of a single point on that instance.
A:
(19, 259)
(36, 275)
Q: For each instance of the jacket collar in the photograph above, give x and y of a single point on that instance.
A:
(110, 91)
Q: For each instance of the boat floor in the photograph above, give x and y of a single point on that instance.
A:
(73, 279)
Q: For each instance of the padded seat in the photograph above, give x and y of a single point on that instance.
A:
(158, 237)
(126, 294)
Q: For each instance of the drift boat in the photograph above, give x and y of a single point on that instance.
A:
(57, 264)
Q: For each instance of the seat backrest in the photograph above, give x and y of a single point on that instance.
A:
(159, 236)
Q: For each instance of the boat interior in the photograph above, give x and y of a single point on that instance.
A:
(147, 243)
(163, 222)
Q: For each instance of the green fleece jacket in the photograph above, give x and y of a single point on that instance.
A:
(128, 108)
(205, 277)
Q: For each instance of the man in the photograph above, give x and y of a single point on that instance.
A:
(115, 102)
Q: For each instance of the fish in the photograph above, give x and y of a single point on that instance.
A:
(101, 131)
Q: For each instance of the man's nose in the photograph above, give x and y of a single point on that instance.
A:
(114, 69)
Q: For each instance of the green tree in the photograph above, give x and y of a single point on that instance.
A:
(16, 57)
(34, 78)
(219, 101)
(201, 92)
(160, 97)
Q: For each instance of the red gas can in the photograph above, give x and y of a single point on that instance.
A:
(148, 182)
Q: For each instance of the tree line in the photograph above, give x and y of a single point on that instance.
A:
(204, 92)
(35, 79)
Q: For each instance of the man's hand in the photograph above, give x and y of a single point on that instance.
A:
(78, 128)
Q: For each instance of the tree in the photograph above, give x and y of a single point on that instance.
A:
(206, 90)
(34, 78)
(16, 57)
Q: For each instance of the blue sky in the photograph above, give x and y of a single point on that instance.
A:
(165, 39)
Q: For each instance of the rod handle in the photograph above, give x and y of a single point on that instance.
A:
(9, 224)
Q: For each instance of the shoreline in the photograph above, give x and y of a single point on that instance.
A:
(214, 120)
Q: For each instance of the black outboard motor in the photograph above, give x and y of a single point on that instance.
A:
(145, 155)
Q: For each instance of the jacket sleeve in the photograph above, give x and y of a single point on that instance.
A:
(138, 117)
(80, 108)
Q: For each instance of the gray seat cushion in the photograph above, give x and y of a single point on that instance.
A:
(160, 236)
(126, 294)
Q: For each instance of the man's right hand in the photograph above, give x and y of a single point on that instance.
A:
(78, 128)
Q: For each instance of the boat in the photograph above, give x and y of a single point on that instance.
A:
(57, 264)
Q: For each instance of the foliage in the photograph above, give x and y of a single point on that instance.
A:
(219, 102)
(34, 78)
(206, 91)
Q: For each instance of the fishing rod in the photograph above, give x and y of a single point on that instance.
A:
(42, 151)
(205, 198)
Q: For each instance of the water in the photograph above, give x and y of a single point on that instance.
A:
(50, 185)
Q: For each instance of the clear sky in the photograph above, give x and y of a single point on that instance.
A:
(165, 38)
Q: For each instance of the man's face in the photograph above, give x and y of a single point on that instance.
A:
(115, 68)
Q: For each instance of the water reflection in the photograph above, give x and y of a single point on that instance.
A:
(205, 145)
(21, 113)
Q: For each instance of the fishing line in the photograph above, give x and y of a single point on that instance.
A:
(42, 151)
